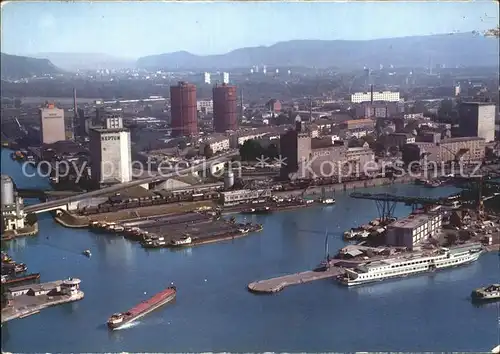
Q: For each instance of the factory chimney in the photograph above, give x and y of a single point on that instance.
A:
(241, 105)
(75, 113)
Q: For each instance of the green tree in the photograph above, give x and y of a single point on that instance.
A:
(251, 150)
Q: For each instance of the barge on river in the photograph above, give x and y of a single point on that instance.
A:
(120, 319)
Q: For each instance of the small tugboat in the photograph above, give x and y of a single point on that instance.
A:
(327, 201)
(350, 235)
(487, 293)
(183, 241)
(87, 253)
(120, 319)
(119, 228)
(420, 181)
(433, 184)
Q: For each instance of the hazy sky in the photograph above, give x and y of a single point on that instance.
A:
(134, 29)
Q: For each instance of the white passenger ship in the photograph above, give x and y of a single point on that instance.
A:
(410, 265)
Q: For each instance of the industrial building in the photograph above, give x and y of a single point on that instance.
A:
(477, 119)
(13, 215)
(466, 149)
(225, 108)
(52, 124)
(110, 153)
(244, 196)
(386, 96)
(184, 109)
(305, 160)
(411, 230)
(216, 142)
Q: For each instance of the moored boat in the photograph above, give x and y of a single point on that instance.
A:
(327, 201)
(411, 265)
(183, 241)
(120, 319)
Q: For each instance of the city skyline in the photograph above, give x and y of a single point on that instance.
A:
(30, 28)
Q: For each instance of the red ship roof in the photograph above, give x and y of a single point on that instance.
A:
(145, 305)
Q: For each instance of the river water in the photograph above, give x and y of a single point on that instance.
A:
(215, 312)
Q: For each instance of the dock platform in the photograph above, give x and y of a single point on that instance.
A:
(275, 285)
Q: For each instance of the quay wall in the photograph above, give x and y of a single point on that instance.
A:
(342, 187)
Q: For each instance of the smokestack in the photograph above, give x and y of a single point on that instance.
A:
(310, 109)
(241, 105)
(75, 115)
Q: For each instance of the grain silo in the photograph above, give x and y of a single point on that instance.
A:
(7, 191)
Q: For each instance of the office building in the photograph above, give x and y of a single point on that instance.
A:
(183, 109)
(52, 126)
(206, 78)
(225, 78)
(386, 96)
(477, 119)
(411, 230)
(225, 108)
(110, 153)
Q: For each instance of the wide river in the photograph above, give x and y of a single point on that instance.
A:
(214, 311)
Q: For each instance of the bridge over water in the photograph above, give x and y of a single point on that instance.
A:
(64, 202)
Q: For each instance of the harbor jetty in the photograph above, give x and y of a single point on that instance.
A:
(277, 284)
(23, 301)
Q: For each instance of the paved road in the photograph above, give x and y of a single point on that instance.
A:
(119, 187)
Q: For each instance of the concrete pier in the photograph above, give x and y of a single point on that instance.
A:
(30, 299)
(275, 285)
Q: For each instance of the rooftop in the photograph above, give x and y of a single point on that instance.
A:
(36, 287)
(480, 103)
(413, 221)
(456, 140)
(111, 130)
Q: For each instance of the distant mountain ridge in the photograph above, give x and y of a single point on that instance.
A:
(86, 61)
(17, 67)
(466, 49)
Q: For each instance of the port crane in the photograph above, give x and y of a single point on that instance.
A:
(327, 248)
(21, 127)
(386, 203)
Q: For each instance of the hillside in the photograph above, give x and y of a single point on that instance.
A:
(17, 67)
(86, 61)
(466, 49)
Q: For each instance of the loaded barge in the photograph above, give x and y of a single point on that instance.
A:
(187, 239)
(120, 319)
(11, 280)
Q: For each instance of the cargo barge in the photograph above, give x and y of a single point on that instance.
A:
(262, 210)
(120, 319)
(187, 240)
(7, 280)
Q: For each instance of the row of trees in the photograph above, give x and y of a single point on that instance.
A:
(252, 149)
